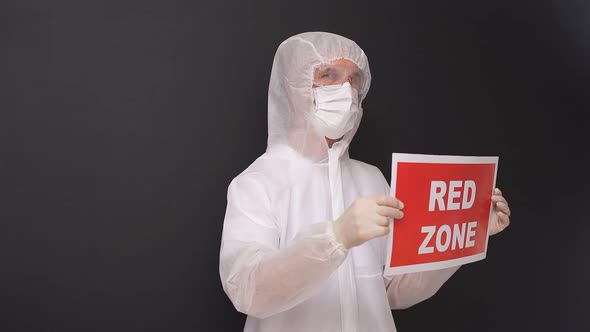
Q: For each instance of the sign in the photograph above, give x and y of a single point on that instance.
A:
(447, 211)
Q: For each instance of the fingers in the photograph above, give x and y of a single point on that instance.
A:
(384, 231)
(389, 201)
(390, 212)
(503, 207)
(500, 202)
(503, 219)
(378, 231)
(497, 199)
(382, 221)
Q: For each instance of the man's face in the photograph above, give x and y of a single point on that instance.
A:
(339, 72)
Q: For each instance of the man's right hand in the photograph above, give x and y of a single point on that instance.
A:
(367, 218)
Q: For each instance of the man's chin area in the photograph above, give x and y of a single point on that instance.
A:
(331, 141)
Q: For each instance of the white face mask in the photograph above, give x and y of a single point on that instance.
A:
(337, 109)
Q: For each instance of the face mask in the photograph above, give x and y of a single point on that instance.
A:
(336, 109)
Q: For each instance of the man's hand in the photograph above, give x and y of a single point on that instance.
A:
(367, 218)
(501, 215)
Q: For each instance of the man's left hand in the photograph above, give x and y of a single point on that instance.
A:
(501, 215)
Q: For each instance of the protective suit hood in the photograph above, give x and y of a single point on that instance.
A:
(290, 95)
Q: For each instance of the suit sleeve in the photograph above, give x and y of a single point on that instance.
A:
(260, 278)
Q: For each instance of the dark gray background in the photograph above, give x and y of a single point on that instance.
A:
(123, 122)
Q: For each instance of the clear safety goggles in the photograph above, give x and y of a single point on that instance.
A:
(335, 74)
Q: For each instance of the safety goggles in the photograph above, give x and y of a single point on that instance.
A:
(339, 73)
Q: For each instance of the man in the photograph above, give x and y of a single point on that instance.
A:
(302, 246)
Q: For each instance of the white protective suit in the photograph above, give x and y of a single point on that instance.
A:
(280, 262)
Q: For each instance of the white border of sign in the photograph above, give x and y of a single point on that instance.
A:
(440, 159)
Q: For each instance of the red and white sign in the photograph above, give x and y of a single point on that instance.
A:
(447, 211)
